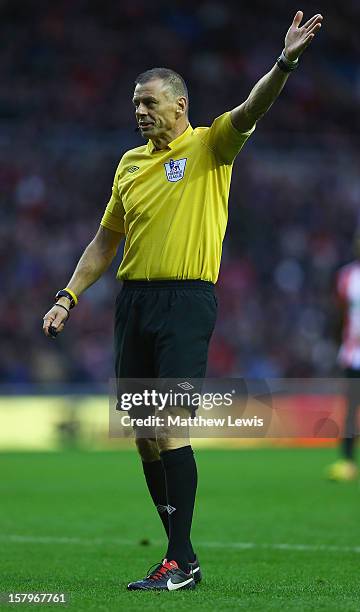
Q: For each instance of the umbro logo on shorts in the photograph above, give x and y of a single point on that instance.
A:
(175, 169)
(133, 168)
(185, 385)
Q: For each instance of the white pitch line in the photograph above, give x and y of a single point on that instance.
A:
(24, 539)
(274, 546)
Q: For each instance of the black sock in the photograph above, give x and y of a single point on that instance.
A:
(181, 482)
(155, 480)
(347, 447)
(348, 442)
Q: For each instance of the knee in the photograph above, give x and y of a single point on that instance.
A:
(172, 434)
(148, 449)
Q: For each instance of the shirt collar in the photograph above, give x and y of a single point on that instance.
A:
(173, 143)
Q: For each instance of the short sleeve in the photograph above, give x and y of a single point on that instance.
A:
(113, 217)
(225, 140)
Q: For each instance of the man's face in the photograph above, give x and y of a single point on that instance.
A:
(155, 108)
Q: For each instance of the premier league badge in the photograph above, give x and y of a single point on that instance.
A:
(175, 169)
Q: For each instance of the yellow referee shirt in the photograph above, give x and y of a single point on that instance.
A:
(172, 204)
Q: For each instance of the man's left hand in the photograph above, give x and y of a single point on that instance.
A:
(299, 37)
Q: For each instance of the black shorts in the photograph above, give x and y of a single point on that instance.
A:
(163, 329)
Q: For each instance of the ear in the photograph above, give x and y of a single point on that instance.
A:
(181, 106)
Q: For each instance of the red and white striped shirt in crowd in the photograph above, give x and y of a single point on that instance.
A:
(348, 289)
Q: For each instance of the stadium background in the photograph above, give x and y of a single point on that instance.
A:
(65, 120)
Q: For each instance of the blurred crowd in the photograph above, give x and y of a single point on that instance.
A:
(66, 118)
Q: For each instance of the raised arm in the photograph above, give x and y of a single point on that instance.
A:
(94, 261)
(265, 92)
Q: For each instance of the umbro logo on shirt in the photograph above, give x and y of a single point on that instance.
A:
(175, 169)
(133, 168)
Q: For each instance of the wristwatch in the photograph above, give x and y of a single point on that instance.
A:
(285, 64)
(68, 294)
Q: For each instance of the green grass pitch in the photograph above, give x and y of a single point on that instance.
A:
(270, 533)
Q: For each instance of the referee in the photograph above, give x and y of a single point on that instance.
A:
(169, 201)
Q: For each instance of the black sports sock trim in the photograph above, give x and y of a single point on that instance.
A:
(175, 456)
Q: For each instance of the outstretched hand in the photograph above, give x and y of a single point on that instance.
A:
(299, 37)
